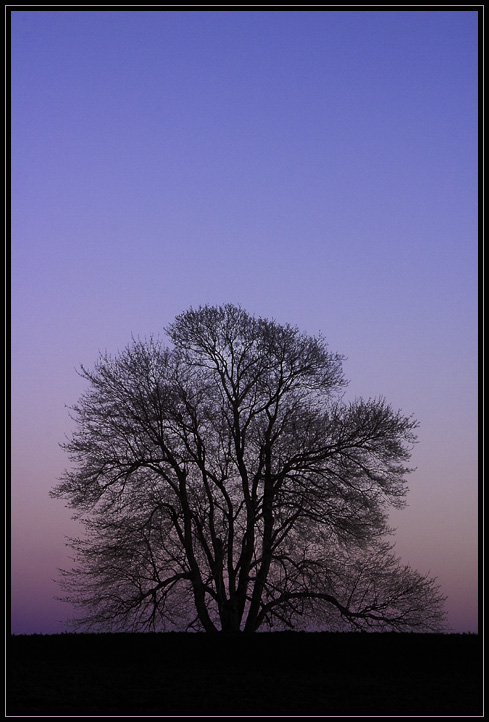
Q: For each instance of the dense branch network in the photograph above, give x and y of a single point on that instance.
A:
(224, 484)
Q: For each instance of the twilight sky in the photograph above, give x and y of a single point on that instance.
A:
(318, 167)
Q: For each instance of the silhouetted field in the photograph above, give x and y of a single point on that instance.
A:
(269, 674)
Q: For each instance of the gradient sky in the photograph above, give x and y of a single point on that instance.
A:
(318, 167)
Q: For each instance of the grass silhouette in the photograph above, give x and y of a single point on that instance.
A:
(268, 674)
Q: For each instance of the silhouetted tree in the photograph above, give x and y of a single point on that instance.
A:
(224, 484)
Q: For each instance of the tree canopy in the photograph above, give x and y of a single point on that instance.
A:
(225, 484)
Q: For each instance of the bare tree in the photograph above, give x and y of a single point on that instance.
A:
(224, 484)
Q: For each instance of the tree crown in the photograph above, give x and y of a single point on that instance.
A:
(226, 475)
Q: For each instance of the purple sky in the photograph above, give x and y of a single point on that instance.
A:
(317, 167)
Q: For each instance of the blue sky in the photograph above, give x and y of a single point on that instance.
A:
(318, 167)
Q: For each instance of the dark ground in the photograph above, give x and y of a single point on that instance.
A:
(279, 674)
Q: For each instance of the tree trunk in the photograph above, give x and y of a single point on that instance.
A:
(251, 621)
